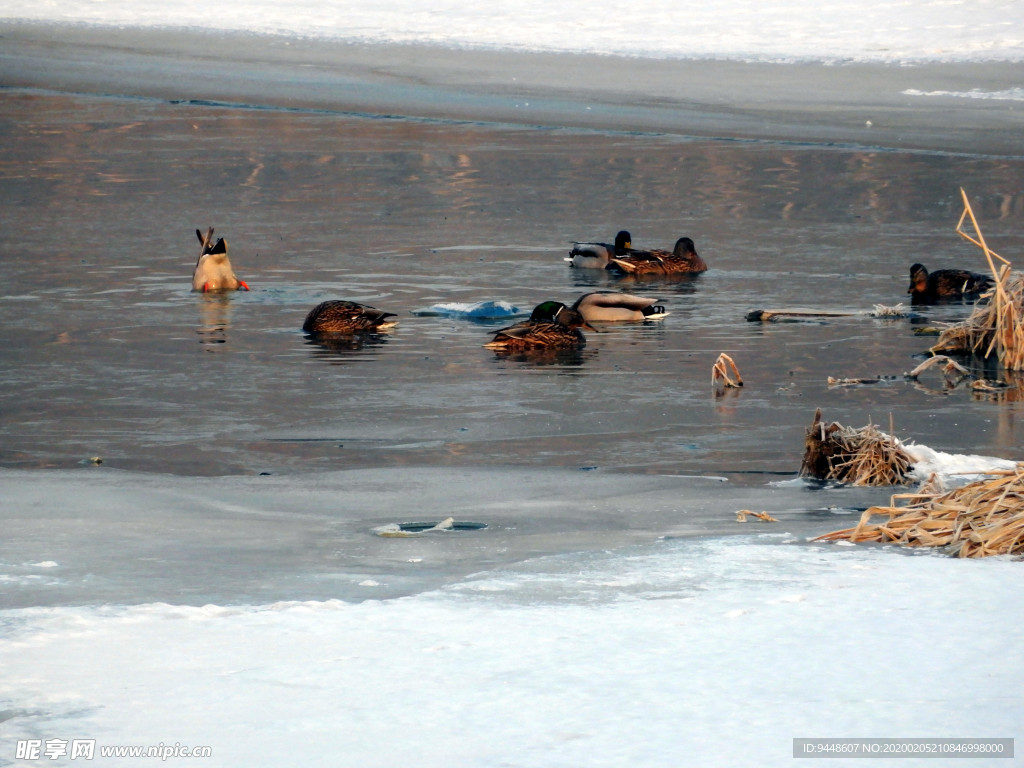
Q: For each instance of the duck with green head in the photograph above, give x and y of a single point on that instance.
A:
(552, 325)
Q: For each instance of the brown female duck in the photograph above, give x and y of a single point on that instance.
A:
(337, 316)
(681, 260)
(552, 325)
(928, 287)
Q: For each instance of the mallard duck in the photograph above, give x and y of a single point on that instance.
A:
(598, 255)
(213, 270)
(927, 287)
(552, 325)
(612, 307)
(683, 259)
(337, 316)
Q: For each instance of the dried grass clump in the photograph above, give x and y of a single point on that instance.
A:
(951, 369)
(864, 456)
(983, 518)
(743, 514)
(881, 310)
(720, 373)
(995, 327)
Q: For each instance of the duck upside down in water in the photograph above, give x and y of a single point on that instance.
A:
(683, 259)
(338, 316)
(213, 269)
(552, 325)
(928, 287)
(598, 255)
(615, 307)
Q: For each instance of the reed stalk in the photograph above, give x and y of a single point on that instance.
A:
(979, 519)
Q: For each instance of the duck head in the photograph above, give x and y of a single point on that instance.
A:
(918, 279)
(684, 247)
(623, 241)
(557, 312)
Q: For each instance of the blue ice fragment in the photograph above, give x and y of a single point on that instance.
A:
(475, 311)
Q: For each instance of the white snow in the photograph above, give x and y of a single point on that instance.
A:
(685, 652)
(952, 469)
(1010, 94)
(772, 30)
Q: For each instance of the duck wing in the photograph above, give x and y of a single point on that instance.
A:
(647, 263)
(537, 334)
(648, 254)
(959, 281)
(614, 300)
(594, 255)
(341, 316)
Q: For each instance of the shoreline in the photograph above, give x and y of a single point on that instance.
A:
(853, 104)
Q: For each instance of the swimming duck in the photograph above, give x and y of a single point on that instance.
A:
(683, 259)
(612, 307)
(213, 270)
(337, 316)
(598, 255)
(927, 287)
(552, 325)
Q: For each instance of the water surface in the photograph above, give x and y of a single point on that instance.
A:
(107, 353)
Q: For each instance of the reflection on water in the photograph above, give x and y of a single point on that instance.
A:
(214, 319)
(406, 215)
(680, 283)
(541, 356)
(726, 402)
(338, 348)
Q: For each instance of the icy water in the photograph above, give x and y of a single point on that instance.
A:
(108, 353)
(190, 488)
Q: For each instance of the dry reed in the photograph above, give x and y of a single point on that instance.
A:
(861, 456)
(743, 514)
(720, 372)
(995, 327)
(983, 518)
